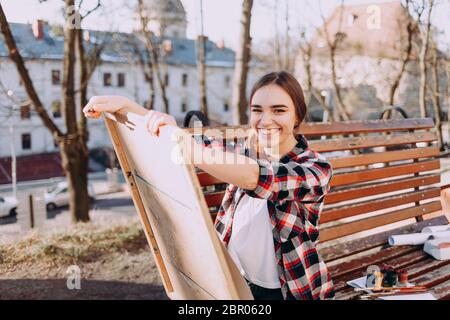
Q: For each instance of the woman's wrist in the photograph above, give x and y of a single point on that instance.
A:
(131, 106)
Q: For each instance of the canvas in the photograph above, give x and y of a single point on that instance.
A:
(192, 261)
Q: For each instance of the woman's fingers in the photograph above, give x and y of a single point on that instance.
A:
(157, 124)
(154, 120)
(149, 119)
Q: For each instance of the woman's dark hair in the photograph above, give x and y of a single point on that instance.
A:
(289, 84)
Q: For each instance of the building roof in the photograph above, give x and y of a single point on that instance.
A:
(120, 47)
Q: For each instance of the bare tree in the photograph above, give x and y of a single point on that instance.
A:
(422, 59)
(333, 44)
(287, 42)
(145, 63)
(88, 62)
(153, 53)
(201, 52)
(72, 144)
(405, 54)
(435, 93)
(243, 55)
(306, 54)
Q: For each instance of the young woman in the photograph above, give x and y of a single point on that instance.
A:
(270, 213)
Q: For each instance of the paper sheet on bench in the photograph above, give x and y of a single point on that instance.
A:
(436, 228)
(416, 238)
(438, 248)
(415, 296)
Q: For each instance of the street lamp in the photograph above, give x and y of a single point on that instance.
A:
(13, 148)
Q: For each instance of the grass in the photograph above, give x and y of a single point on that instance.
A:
(84, 242)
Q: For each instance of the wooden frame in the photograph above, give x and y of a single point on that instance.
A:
(192, 261)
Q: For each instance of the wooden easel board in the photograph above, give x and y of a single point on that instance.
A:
(192, 261)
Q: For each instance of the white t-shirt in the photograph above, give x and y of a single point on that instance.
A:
(251, 243)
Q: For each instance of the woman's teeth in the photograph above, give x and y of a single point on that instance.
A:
(268, 131)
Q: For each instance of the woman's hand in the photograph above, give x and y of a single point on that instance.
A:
(100, 104)
(154, 120)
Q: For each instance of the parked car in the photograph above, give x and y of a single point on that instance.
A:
(8, 206)
(58, 195)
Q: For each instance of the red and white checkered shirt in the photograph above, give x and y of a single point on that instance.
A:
(294, 187)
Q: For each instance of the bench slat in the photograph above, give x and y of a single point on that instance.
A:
(380, 187)
(215, 199)
(365, 126)
(350, 178)
(382, 157)
(370, 141)
(345, 250)
(325, 128)
(378, 204)
(350, 267)
(377, 221)
(206, 179)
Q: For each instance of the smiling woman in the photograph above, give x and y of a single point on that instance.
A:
(269, 216)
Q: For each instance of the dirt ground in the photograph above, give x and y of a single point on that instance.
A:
(114, 262)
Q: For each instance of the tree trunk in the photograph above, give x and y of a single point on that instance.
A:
(406, 56)
(435, 96)
(148, 38)
(151, 84)
(201, 42)
(74, 153)
(74, 162)
(423, 63)
(337, 90)
(287, 58)
(243, 54)
(306, 57)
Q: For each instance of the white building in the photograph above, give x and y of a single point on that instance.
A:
(42, 48)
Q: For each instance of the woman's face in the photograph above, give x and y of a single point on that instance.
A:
(272, 115)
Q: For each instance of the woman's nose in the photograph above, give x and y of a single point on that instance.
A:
(266, 118)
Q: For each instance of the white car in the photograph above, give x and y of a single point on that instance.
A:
(8, 206)
(58, 195)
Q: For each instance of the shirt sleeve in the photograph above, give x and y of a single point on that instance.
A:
(305, 179)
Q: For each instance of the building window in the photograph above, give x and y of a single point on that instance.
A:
(56, 109)
(166, 79)
(227, 81)
(121, 80)
(226, 107)
(184, 79)
(107, 79)
(25, 112)
(56, 77)
(183, 107)
(26, 141)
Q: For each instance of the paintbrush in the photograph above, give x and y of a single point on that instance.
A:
(398, 289)
(387, 294)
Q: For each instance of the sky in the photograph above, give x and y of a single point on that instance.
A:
(221, 17)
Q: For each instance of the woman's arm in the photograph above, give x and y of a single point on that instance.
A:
(227, 166)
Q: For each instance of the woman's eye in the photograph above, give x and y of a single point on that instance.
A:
(256, 110)
(278, 111)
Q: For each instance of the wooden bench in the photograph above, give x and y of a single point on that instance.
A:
(386, 181)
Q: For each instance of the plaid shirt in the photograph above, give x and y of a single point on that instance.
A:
(294, 187)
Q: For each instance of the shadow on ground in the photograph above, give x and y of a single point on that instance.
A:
(46, 289)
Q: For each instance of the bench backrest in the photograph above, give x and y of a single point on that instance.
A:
(386, 174)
